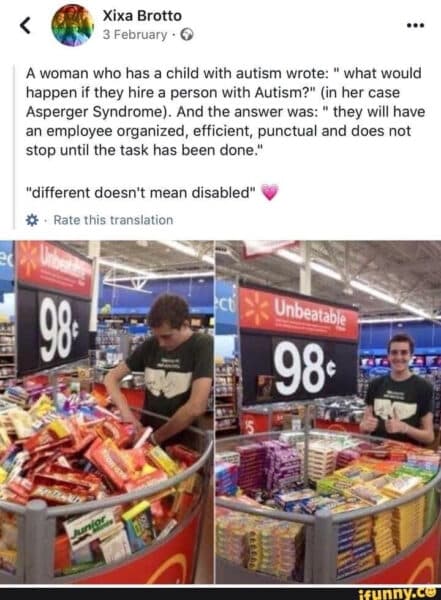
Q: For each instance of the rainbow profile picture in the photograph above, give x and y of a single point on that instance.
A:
(72, 25)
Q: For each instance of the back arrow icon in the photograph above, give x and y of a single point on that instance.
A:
(23, 25)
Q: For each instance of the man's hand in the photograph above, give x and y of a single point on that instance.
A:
(112, 382)
(369, 424)
(394, 424)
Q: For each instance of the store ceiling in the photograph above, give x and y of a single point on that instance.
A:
(409, 270)
(150, 256)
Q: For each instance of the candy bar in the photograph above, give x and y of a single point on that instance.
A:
(54, 495)
(181, 505)
(148, 476)
(8, 560)
(115, 430)
(167, 529)
(183, 454)
(105, 455)
(161, 460)
(22, 422)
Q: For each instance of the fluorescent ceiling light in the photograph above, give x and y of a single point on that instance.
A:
(291, 256)
(415, 310)
(152, 276)
(362, 287)
(121, 267)
(318, 268)
(206, 258)
(367, 289)
(181, 275)
(136, 274)
(389, 319)
(188, 250)
(126, 287)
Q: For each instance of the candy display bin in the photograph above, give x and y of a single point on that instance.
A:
(415, 564)
(171, 559)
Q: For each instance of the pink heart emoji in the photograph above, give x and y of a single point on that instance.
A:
(269, 191)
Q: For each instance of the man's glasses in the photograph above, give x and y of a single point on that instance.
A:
(399, 352)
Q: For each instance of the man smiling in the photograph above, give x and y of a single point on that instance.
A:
(400, 405)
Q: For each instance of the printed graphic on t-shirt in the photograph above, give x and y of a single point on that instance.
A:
(169, 384)
(169, 363)
(385, 408)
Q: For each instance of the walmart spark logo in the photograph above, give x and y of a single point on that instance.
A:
(28, 253)
(256, 309)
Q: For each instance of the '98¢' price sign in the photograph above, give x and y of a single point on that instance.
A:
(52, 329)
(305, 369)
(57, 328)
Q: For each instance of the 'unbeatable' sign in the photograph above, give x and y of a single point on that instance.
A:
(278, 312)
(50, 267)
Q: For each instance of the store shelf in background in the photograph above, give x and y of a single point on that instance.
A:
(226, 394)
(229, 428)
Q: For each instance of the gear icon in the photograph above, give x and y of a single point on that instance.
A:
(32, 219)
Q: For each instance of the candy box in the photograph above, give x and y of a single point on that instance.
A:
(139, 526)
(83, 530)
(115, 547)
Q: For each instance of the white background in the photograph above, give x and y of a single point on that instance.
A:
(345, 188)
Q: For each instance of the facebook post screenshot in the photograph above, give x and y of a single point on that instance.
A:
(219, 238)
(186, 119)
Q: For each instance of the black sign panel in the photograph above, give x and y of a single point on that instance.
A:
(52, 329)
(303, 369)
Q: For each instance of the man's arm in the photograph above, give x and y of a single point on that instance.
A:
(195, 406)
(424, 434)
(112, 382)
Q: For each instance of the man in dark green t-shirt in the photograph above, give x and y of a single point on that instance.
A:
(400, 405)
(177, 365)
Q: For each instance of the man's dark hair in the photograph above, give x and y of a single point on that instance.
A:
(402, 337)
(169, 308)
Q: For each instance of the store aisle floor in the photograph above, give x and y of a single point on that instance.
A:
(205, 566)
